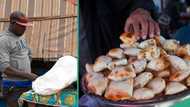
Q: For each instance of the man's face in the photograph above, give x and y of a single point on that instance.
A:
(19, 29)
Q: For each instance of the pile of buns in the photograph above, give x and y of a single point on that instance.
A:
(140, 70)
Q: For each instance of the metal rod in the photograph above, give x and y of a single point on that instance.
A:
(41, 18)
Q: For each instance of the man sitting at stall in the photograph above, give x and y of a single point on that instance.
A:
(15, 59)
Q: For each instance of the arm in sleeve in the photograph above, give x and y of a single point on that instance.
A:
(4, 55)
(145, 4)
(5, 63)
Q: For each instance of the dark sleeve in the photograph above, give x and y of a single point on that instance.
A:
(88, 101)
(145, 4)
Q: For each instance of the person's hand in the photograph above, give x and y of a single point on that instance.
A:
(32, 76)
(141, 23)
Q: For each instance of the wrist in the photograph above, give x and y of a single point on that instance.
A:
(141, 11)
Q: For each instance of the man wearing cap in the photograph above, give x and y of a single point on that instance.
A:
(15, 59)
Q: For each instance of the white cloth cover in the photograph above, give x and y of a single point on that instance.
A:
(62, 74)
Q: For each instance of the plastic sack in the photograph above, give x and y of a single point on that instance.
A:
(61, 75)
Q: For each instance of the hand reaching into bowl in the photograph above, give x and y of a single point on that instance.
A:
(142, 24)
